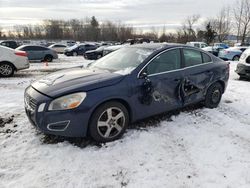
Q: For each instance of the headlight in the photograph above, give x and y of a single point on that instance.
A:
(67, 102)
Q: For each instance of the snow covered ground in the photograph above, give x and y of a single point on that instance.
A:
(194, 148)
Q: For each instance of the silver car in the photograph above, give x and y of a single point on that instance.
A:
(39, 53)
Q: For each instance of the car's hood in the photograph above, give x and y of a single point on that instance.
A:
(74, 80)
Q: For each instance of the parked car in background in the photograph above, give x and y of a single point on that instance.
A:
(216, 48)
(232, 53)
(220, 45)
(9, 43)
(243, 67)
(79, 49)
(12, 60)
(242, 44)
(59, 48)
(70, 43)
(39, 53)
(110, 49)
(197, 44)
(94, 54)
(103, 99)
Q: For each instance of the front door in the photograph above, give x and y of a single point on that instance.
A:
(160, 84)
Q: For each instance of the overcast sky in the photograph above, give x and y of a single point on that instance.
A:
(139, 13)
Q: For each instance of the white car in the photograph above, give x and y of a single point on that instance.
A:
(197, 44)
(59, 48)
(12, 60)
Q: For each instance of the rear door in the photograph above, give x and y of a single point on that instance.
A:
(160, 90)
(198, 75)
(39, 52)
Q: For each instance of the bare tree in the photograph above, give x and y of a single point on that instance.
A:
(222, 24)
(238, 11)
(187, 32)
(242, 18)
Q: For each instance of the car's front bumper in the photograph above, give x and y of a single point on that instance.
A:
(69, 123)
(243, 70)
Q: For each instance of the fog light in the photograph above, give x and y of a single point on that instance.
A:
(58, 126)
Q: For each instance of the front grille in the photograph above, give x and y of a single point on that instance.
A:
(30, 102)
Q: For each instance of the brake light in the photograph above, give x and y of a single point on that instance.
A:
(21, 53)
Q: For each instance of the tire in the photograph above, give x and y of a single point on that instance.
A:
(99, 56)
(75, 54)
(241, 78)
(48, 58)
(6, 69)
(213, 95)
(108, 122)
(236, 58)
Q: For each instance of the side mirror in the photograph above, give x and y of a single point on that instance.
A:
(144, 75)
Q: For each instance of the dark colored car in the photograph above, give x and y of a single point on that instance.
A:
(128, 85)
(39, 53)
(9, 43)
(79, 49)
(110, 49)
(94, 54)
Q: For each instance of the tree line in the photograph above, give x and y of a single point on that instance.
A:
(87, 29)
(228, 21)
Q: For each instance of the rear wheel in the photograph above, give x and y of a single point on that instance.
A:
(236, 58)
(48, 58)
(213, 96)
(108, 122)
(6, 70)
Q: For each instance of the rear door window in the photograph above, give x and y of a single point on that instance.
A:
(206, 58)
(192, 57)
(38, 48)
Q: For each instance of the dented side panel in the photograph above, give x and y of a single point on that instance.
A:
(158, 94)
(196, 81)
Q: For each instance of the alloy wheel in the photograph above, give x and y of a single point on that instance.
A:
(111, 122)
(6, 69)
(216, 95)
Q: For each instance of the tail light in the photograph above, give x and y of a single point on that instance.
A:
(21, 53)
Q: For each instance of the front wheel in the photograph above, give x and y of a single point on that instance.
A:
(236, 58)
(6, 70)
(213, 96)
(108, 122)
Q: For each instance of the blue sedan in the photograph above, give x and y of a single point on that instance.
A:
(232, 53)
(128, 85)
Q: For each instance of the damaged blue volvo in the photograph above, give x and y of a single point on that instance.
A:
(125, 86)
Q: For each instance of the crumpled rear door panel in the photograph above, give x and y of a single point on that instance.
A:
(195, 83)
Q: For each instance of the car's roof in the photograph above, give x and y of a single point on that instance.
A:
(156, 46)
(31, 45)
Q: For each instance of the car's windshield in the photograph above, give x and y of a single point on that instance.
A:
(122, 61)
